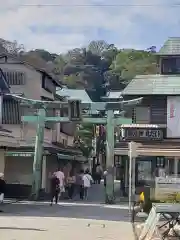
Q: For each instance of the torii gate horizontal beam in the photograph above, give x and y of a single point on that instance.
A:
(116, 121)
(98, 106)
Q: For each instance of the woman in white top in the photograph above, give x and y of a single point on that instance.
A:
(87, 180)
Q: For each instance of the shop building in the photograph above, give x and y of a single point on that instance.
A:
(156, 121)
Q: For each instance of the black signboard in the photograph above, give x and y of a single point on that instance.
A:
(144, 134)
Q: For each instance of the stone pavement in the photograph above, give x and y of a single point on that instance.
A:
(66, 220)
(90, 220)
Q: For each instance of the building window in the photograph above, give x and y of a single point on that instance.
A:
(141, 115)
(11, 112)
(64, 142)
(47, 84)
(170, 65)
(15, 78)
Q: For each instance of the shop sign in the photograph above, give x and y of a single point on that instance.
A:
(167, 188)
(19, 154)
(144, 134)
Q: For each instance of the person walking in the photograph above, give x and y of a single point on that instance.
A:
(60, 175)
(71, 180)
(55, 189)
(99, 172)
(122, 183)
(104, 177)
(80, 184)
(2, 187)
(87, 181)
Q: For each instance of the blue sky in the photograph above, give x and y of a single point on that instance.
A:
(69, 25)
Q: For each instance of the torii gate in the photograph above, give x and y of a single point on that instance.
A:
(75, 114)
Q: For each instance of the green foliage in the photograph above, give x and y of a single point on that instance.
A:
(84, 136)
(129, 63)
(92, 67)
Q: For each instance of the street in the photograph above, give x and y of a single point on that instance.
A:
(67, 220)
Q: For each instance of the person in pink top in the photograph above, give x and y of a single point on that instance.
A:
(60, 175)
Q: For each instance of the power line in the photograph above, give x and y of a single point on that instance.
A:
(95, 5)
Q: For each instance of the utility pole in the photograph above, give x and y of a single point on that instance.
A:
(75, 107)
(38, 155)
(132, 153)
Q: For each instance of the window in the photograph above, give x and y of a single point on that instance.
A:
(141, 115)
(64, 142)
(11, 112)
(47, 84)
(15, 78)
(170, 65)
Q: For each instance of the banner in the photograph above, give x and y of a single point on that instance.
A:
(167, 188)
(173, 119)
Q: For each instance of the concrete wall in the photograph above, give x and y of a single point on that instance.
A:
(19, 170)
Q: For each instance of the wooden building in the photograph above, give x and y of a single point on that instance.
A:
(156, 121)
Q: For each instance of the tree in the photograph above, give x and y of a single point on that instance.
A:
(83, 138)
(129, 63)
(11, 47)
(45, 55)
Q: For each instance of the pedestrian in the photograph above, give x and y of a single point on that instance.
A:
(87, 180)
(2, 187)
(71, 180)
(60, 175)
(122, 183)
(99, 172)
(80, 184)
(55, 189)
(104, 176)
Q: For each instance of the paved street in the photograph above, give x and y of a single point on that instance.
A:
(68, 220)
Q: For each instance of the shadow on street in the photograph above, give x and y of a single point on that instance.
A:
(23, 229)
(70, 210)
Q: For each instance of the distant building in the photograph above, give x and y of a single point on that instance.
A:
(156, 123)
(17, 139)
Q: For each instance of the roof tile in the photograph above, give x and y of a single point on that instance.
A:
(170, 47)
(153, 85)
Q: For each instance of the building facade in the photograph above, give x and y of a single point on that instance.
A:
(16, 156)
(156, 120)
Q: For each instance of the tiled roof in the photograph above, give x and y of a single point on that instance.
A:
(153, 85)
(74, 94)
(171, 47)
(114, 95)
(36, 62)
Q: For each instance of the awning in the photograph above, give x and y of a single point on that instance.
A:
(143, 125)
(71, 158)
(65, 157)
(150, 152)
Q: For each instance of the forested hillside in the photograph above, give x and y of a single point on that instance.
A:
(97, 67)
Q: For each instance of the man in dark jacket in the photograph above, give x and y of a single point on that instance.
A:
(2, 187)
(55, 189)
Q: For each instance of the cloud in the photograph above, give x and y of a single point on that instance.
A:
(64, 26)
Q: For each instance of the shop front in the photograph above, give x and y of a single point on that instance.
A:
(152, 161)
(18, 170)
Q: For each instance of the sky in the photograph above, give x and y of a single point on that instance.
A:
(61, 25)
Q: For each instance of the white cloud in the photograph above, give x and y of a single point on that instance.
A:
(16, 20)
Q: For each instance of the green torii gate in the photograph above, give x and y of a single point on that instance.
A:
(75, 107)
